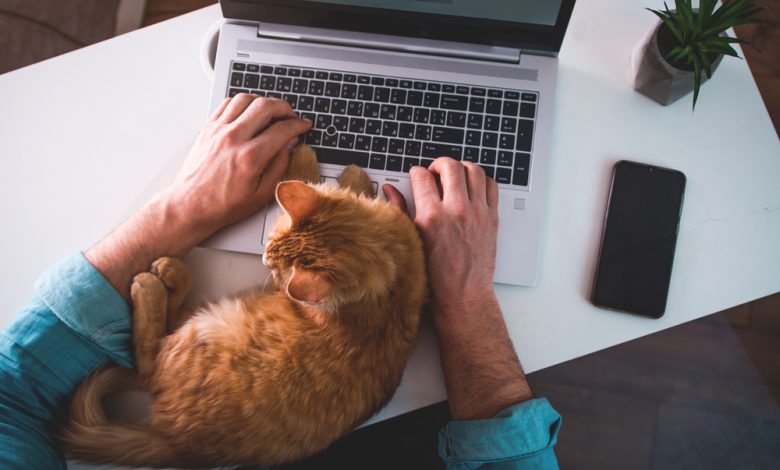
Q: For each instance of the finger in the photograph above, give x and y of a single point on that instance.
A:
(395, 198)
(424, 190)
(492, 193)
(453, 178)
(259, 113)
(220, 109)
(272, 175)
(475, 181)
(279, 134)
(236, 106)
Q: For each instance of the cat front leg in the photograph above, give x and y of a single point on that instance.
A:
(177, 278)
(356, 180)
(149, 297)
(303, 165)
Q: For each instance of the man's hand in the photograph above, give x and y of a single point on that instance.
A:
(457, 214)
(238, 158)
(230, 173)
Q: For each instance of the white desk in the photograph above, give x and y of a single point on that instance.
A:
(87, 137)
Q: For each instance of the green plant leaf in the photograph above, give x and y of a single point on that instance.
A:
(670, 24)
(707, 65)
(696, 81)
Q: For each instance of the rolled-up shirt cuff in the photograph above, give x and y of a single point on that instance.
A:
(85, 302)
(516, 433)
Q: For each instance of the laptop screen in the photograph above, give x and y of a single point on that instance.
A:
(524, 24)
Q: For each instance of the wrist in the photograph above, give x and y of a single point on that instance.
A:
(461, 310)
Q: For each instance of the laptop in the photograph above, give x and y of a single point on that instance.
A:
(390, 84)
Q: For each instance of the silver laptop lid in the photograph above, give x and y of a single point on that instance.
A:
(527, 25)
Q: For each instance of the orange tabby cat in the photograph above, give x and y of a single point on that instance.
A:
(267, 378)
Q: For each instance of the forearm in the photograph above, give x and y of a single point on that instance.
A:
(159, 229)
(482, 373)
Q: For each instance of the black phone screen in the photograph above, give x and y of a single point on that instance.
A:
(640, 233)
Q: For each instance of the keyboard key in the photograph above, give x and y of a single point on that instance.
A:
(474, 121)
(338, 106)
(487, 157)
(511, 95)
(251, 80)
(409, 162)
(404, 113)
(335, 76)
(493, 107)
(382, 94)
(310, 116)
(431, 100)
(495, 93)
(438, 116)
(423, 132)
(355, 108)
(389, 129)
(348, 91)
(300, 85)
(254, 68)
(377, 81)
(454, 102)
(504, 175)
(445, 134)
(237, 79)
(490, 139)
(488, 170)
(425, 162)
(391, 82)
(284, 84)
(420, 85)
(396, 146)
(333, 89)
(314, 137)
(267, 82)
(387, 111)
(525, 129)
(477, 105)
(508, 124)
(273, 94)
(506, 141)
(529, 96)
(471, 155)
(456, 119)
(316, 87)
(292, 99)
(364, 79)
(321, 75)
(350, 78)
(341, 123)
(406, 131)
(492, 123)
(473, 138)
(434, 86)
(346, 141)
(527, 110)
(398, 96)
(478, 91)
(342, 157)
(405, 84)
(330, 140)
(414, 98)
(258, 92)
(374, 127)
(305, 73)
(239, 66)
(394, 163)
(462, 90)
(379, 144)
(280, 71)
(306, 103)
(363, 142)
(421, 115)
(357, 125)
(377, 161)
(510, 108)
(294, 72)
(448, 88)
(323, 121)
(505, 158)
(234, 91)
(431, 150)
(371, 110)
(413, 148)
(322, 105)
(365, 93)
(520, 171)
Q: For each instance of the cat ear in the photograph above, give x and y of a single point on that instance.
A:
(298, 199)
(308, 287)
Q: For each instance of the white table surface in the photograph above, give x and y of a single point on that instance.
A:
(87, 137)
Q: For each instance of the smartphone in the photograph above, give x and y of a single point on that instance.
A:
(634, 267)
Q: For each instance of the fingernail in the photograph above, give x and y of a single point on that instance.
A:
(292, 143)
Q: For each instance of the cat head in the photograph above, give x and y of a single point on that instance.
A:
(331, 247)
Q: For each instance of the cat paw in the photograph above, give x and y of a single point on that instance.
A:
(303, 165)
(173, 273)
(356, 180)
(146, 288)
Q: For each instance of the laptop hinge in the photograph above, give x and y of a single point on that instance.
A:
(389, 43)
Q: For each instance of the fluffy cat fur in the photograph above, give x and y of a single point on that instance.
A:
(266, 378)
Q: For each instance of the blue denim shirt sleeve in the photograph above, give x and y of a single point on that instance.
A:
(75, 323)
(520, 437)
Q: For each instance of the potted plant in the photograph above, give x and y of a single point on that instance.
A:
(686, 46)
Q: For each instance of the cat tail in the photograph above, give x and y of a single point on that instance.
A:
(90, 437)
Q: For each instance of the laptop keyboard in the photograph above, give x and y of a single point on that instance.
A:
(387, 123)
